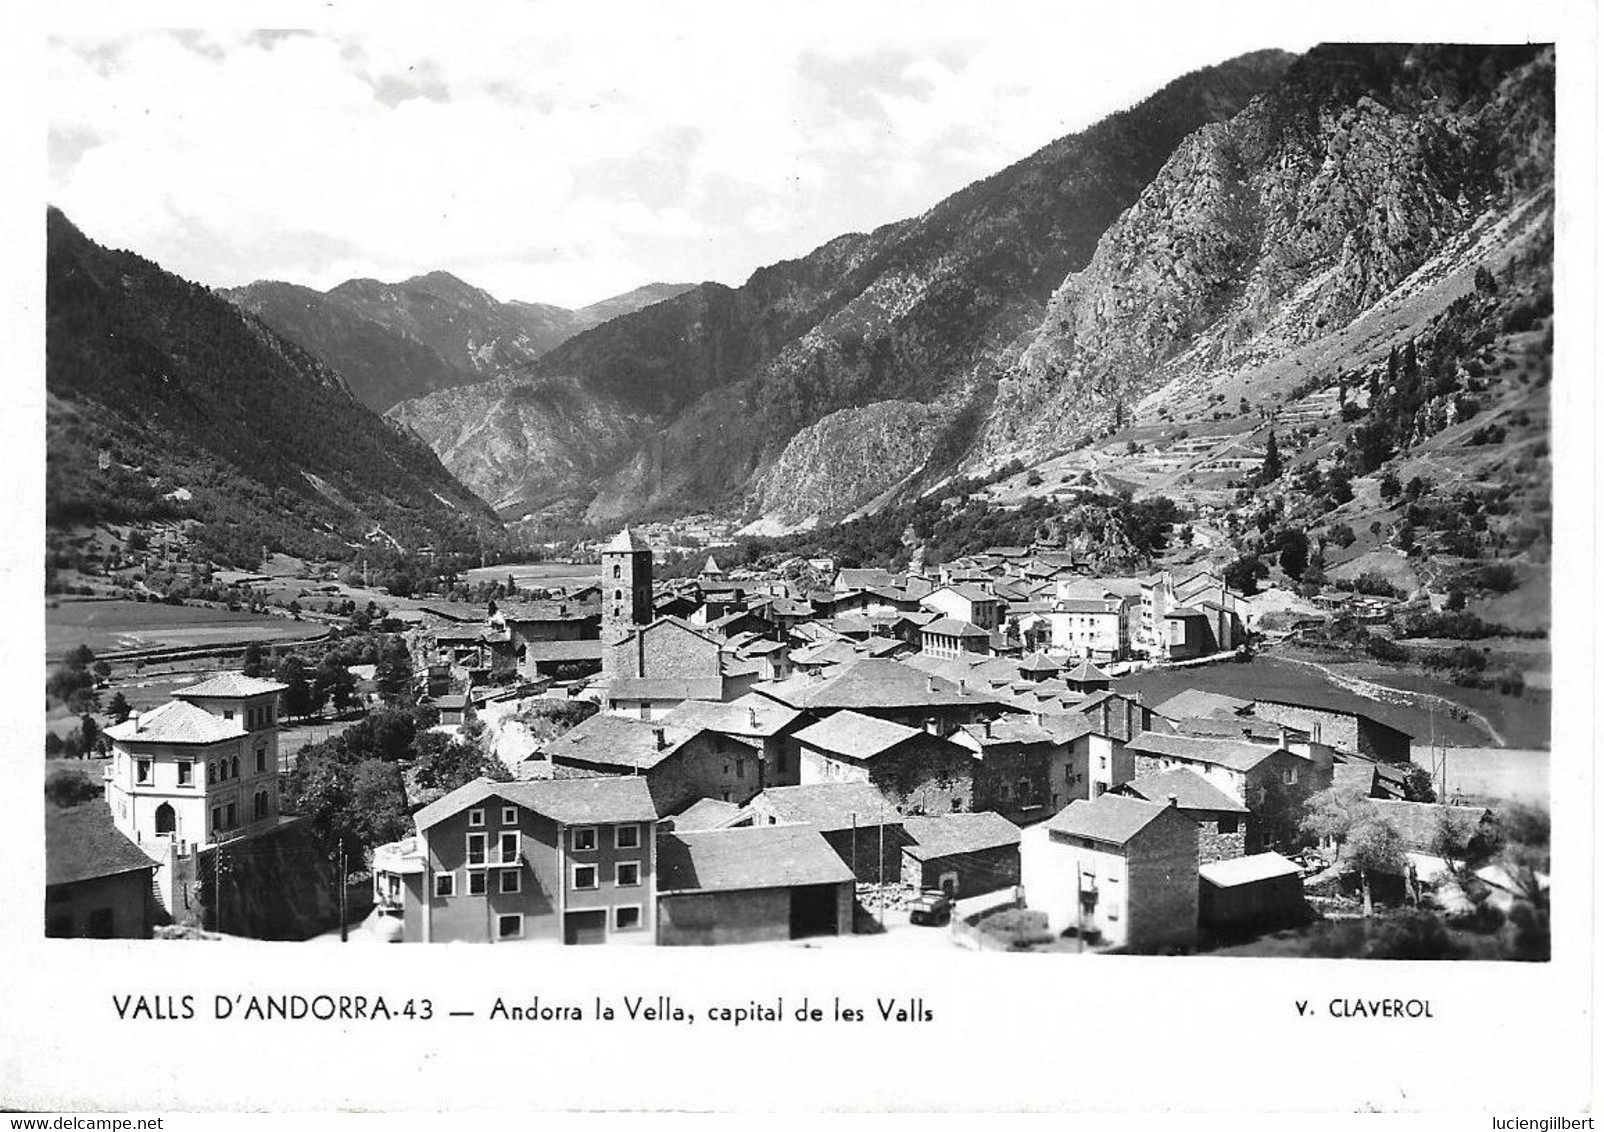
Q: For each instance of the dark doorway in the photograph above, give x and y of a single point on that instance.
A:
(813, 910)
(166, 822)
(585, 927)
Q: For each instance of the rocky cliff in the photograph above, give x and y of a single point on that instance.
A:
(1364, 176)
(913, 312)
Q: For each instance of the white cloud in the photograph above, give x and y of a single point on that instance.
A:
(561, 155)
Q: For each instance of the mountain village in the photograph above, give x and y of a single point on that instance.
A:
(906, 594)
(939, 755)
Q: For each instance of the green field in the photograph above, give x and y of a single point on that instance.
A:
(1522, 721)
(532, 575)
(113, 626)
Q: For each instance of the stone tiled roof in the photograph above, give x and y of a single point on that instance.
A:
(83, 844)
(619, 741)
(952, 627)
(627, 540)
(177, 721)
(1190, 789)
(730, 860)
(230, 685)
(751, 714)
(568, 801)
(1195, 703)
(1229, 753)
(873, 683)
(947, 834)
(829, 806)
(704, 813)
(1109, 817)
(855, 736)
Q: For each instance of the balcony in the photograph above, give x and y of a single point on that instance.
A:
(494, 859)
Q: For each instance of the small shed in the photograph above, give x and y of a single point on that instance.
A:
(750, 884)
(961, 854)
(1253, 893)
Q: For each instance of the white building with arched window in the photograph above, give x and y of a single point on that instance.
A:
(200, 769)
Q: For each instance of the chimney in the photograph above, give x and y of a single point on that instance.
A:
(1284, 736)
(987, 726)
(661, 737)
(963, 686)
(1174, 801)
(751, 715)
(930, 683)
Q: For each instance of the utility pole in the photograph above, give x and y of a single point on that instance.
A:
(341, 881)
(882, 866)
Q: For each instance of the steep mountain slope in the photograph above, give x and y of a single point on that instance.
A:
(1349, 192)
(166, 401)
(394, 341)
(721, 381)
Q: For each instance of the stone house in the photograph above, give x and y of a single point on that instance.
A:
(859, 823)
(98, 883)
(917, 771)
(1124, 874)
(961, 854)
(1222, 821)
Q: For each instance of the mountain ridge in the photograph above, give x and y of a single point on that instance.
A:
(429, 332)
(164, 401)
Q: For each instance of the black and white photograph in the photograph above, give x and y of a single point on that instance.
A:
(965, 496)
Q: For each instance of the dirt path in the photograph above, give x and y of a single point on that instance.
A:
(1381, 693)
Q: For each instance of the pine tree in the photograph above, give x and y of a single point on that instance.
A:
(1272, 461)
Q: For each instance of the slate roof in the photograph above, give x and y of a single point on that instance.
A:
(735, 717)
(1038, 662)
(1191, 790)
(606, 739)
(177, 721)
(948, 834)
(870, 683)
(1021, 729)
(1194, 703)
(730, 860)
(531, 611)
(1085, 605)
(1229, 753)
(1109, 817)
(855, 736)
(1420, 823)
(1238, 727)
(830, 806)
(84, 844)
(704, 813)
(627, 540)
(967, 591)
(1247, 870)
(1086, 672)
(535, 651)
(230, 685)
(952, 627)
(567, 801)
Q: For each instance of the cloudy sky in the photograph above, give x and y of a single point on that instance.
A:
(566, 153)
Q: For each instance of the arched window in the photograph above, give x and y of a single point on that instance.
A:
(166, 820)
(617, 572)
(234, 767)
